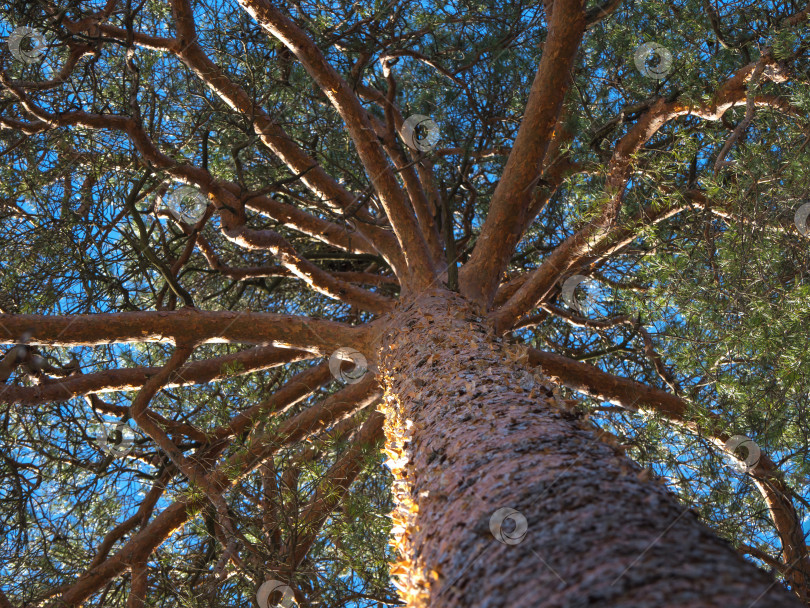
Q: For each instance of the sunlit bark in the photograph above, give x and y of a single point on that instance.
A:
(316, 336)
(478, 441)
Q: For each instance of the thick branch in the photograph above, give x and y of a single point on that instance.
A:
(139, 586)
(636, 396)
(199, 372)
(337, 90)
(255, 272)
(313, 335)
(415, 187)
(510, 205)
(586, 240)
(317, 278)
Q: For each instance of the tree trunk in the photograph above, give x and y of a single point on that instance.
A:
(474, 452)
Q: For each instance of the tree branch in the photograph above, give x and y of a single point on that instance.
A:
(509, 209)
(636, 396)
(313, 335)
(333, 487)
(142, 544)
(578, 246)
(421, 267)
(199, 372)
(317, 278)
(186, 48)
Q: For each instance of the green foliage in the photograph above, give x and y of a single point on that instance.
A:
(724, 297)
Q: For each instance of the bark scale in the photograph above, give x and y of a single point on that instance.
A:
(466, 435)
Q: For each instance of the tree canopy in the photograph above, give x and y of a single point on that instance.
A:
(202, 201)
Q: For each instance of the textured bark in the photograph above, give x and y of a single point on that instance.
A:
(635, 396)
(465, 438)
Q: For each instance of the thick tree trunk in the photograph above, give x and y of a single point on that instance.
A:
(466, 439)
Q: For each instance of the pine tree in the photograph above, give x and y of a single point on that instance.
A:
(471, 305)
